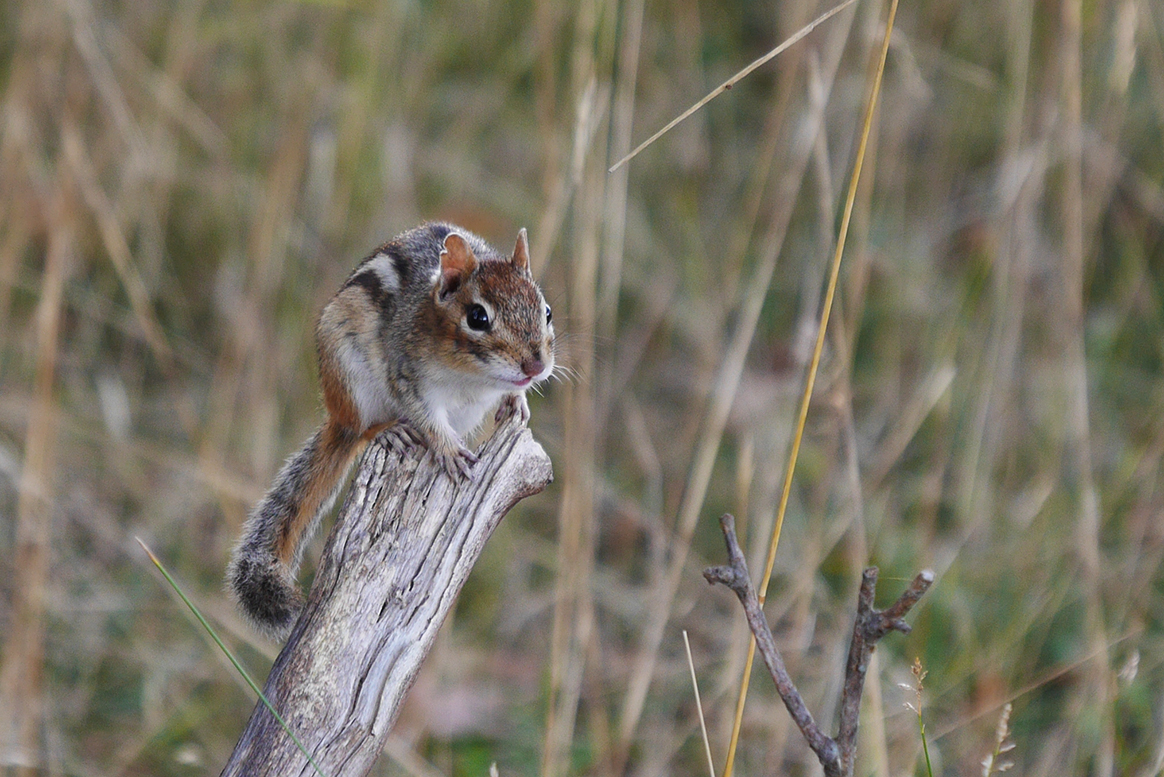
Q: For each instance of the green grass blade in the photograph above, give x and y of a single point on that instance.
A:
(226, 651)
(925, 747)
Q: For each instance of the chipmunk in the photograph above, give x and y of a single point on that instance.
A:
(427, 334)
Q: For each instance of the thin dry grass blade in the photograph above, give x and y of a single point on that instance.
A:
(728, 84)
(698, 705)
(1098, 688)
(84, 27)
(20, 678)
(622, 118)
(574, 621)
(1041, 681)
(116, 246)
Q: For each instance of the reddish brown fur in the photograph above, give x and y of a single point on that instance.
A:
(494, 280)
(345, 312)
(338, 446)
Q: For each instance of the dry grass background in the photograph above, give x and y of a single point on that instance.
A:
(183, 184)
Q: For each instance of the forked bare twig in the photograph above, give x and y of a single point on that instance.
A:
(835, 755)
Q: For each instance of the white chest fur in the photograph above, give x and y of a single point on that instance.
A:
(461, 403)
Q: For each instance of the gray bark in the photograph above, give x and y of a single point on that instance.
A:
(400, 552)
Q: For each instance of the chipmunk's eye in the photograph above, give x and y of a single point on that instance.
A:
(478, 318)
(549, 314)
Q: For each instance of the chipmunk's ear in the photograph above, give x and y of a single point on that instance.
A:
(457, 263)
(520, 258)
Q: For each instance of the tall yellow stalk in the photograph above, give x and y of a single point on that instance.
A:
(834, 273)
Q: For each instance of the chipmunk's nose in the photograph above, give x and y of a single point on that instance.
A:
(532, 366)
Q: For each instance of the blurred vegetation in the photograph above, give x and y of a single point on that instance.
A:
(183, 185)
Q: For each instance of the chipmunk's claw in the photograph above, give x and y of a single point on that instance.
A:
(513, 404)
(404, 437)
(456, 462)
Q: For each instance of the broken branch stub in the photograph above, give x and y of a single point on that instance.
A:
(403, 545)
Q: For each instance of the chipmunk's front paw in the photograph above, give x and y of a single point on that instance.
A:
(456, 461)
(513, 404)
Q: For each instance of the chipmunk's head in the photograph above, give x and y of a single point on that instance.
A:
(498, 326)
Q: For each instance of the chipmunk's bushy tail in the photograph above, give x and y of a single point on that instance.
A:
(261, 574)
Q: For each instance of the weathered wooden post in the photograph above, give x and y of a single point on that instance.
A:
(403, 545)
